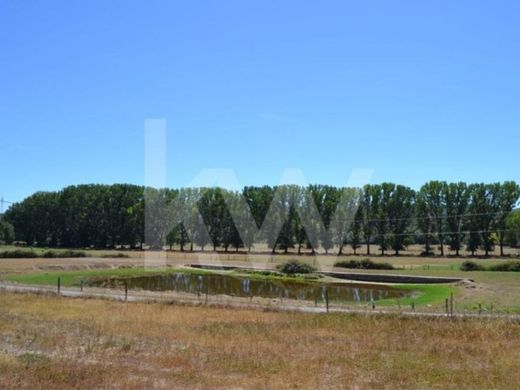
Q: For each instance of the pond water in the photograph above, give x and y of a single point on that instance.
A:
(242, 286)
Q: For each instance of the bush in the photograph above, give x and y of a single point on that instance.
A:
(510, 266)
(471, 266)
(115, 256)
(18, 254)
(50, 254)
(295, 267)
(363, 264)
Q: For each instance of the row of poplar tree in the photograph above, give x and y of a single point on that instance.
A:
(316, 217)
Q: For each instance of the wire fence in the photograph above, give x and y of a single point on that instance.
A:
(321, 298)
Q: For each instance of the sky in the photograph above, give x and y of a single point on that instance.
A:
(409, 90)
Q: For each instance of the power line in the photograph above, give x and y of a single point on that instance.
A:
(2, 202)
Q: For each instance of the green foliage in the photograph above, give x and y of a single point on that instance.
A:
(510, 266)
(283, 217)
(293, 267)
(513, 229)
(115, 256)
(50, 254)
(471, 266)
(29, 358)
(19, 254)
(363, 264)
(6, 232)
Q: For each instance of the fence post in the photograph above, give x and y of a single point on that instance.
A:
(126, 291)
(327, 298)
(81, 285)
(59, 284)
(451, 305)
(413, 305)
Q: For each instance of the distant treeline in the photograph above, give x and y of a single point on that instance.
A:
(450, 215)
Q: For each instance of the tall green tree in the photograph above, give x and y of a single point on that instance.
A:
(433, 194)
(507, 199)
(371, 200)
(457, 204)
(400, 213)
(513, 229)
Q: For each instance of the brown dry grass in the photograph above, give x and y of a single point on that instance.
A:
(103, 344)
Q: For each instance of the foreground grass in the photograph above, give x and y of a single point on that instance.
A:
(52, 342)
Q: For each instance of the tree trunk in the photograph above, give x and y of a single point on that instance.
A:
(502, 246)
(340, 252)
(299, 249)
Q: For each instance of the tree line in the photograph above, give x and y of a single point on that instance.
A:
(452, 216)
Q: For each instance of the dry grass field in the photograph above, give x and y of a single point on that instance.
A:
(59, 343)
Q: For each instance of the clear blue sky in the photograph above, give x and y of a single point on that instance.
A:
(415, 90)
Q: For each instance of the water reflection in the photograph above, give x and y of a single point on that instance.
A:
(214, 284)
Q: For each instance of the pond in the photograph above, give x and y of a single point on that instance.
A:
(242, 286)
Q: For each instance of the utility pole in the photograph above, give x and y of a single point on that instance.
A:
(2, 203)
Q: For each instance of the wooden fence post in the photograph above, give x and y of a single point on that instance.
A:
(126, 291)
(81, 286)
(59, 284)
(327, 298)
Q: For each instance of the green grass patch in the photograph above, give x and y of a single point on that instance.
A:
(73, 278)
(422, 294)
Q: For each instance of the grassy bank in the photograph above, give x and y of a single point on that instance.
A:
(51, 342)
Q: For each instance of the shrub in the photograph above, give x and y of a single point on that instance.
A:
(471, 266)
(295, 267)
(63, 254)
(510, 266)
(18, 254)
(363, 264)
(115, 256)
